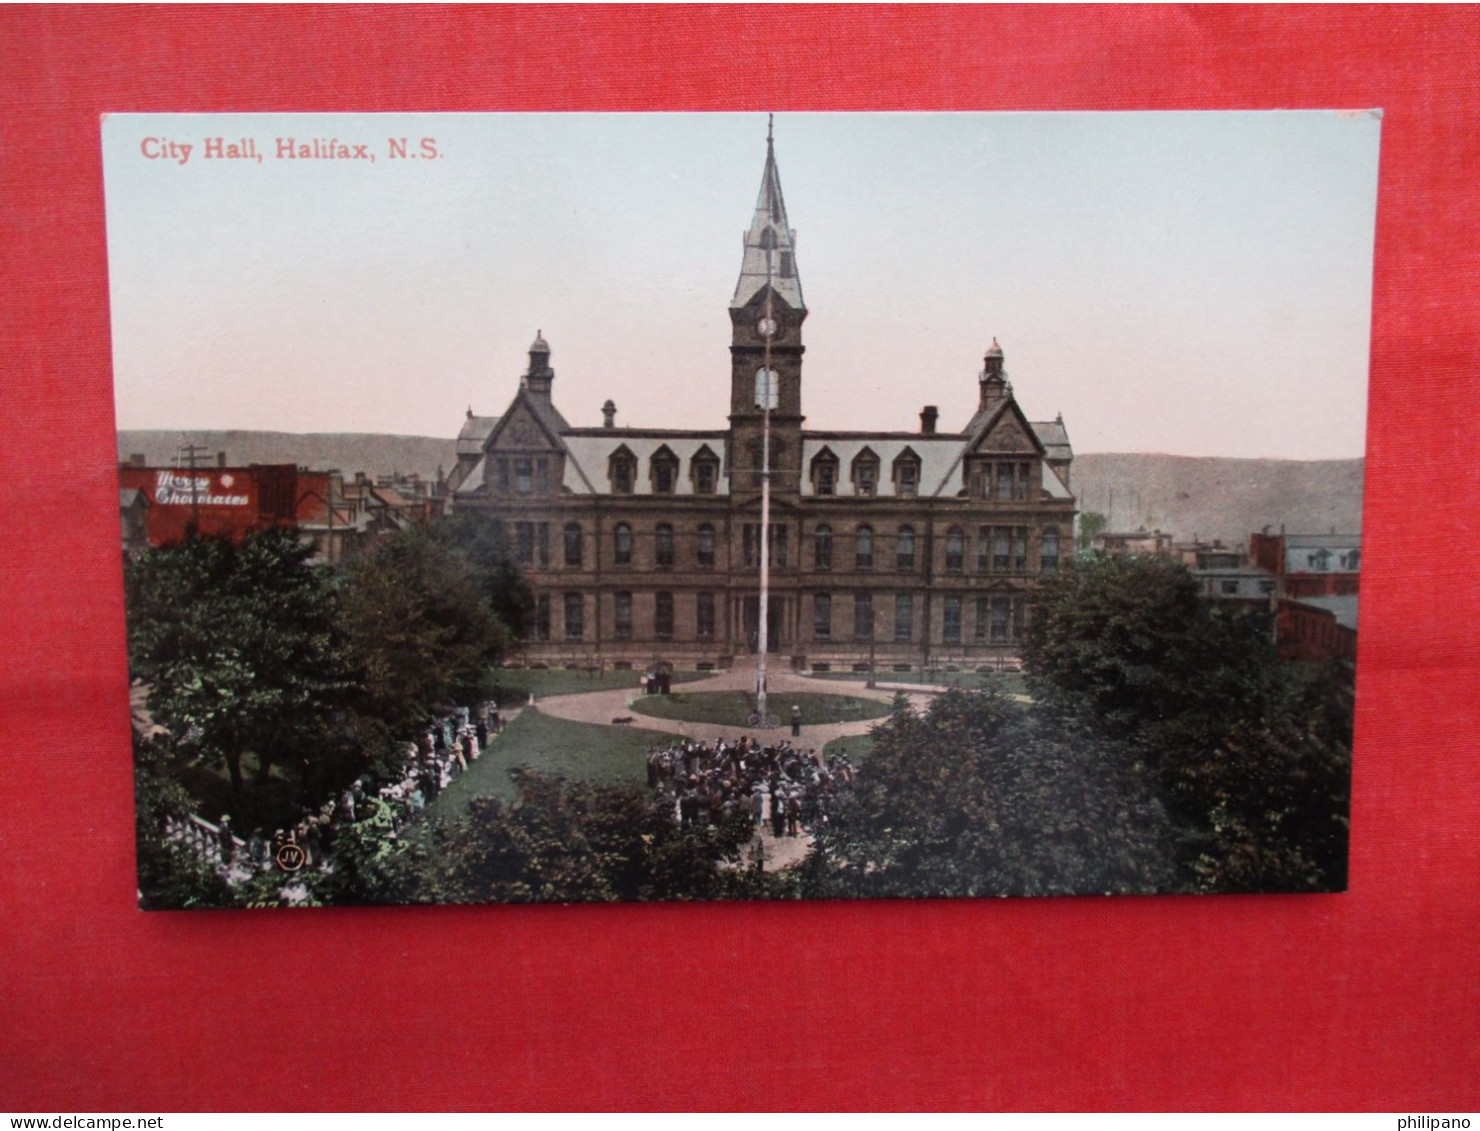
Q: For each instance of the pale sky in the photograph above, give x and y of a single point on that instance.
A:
(1192, 283)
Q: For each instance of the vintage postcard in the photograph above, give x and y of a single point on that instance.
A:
(538, 507)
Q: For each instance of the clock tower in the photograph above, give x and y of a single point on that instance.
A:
(766, 348)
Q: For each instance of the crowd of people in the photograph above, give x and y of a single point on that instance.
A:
(743, 785)
(441, 754)
(747, 784)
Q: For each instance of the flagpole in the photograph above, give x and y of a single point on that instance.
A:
(760, 695)
(765, 602)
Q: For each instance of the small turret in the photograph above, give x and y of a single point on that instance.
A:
(609, 414)
(539, 376)
(993, 378)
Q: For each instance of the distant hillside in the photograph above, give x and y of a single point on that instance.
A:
(1186, 495)
(1220, 498)
(347, 451)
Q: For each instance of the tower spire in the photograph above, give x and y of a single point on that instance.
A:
(770, 244)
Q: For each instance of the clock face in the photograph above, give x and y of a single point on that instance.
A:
(766, 327)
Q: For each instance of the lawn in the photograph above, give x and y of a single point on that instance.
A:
(516, 684)
(734, 708)
(855, 746)
(1009, 683)
(604, 754)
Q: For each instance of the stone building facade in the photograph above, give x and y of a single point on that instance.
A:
(905, 549)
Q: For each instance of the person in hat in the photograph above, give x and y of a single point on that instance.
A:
(227, 843)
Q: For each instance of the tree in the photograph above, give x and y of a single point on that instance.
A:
(1252, 757)
(170, 877)
(1131, 641)
(983, 796)
(483, 543)
(564, 841)
(1090, 524)
(238, 645)
(420, 630)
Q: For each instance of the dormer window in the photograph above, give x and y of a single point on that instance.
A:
(622, 471)
(866, 474)
(907, 474)
(704, 471)
(825, 473)
(664, 471)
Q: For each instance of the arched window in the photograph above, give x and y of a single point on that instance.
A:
(955, 549)
(904, 554)
(573, 544)
(822, 542)
(1050, 556)
(705, 552)
(863, 548)
(663, 546)
(621, 544)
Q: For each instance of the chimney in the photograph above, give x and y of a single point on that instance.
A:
(928, 416)
(609, 414)
(136, 459)
(220, 459)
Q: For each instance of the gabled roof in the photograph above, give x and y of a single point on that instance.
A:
(548, 414)
(987, 420)
(545, 415)
(1054, 437)
(475, 433)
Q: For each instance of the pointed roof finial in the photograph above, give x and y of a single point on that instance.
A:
(770, 122)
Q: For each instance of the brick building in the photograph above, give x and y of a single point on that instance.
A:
(1310, 565)
(160, 505)
(918, 547)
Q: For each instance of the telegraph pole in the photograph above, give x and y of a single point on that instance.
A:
(190, 451)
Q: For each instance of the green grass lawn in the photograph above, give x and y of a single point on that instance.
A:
(733, 708)
(1009, 683)
(515, 684)
(855, 746)
(605, 754)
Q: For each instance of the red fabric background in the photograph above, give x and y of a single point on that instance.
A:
(1364, 1000)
